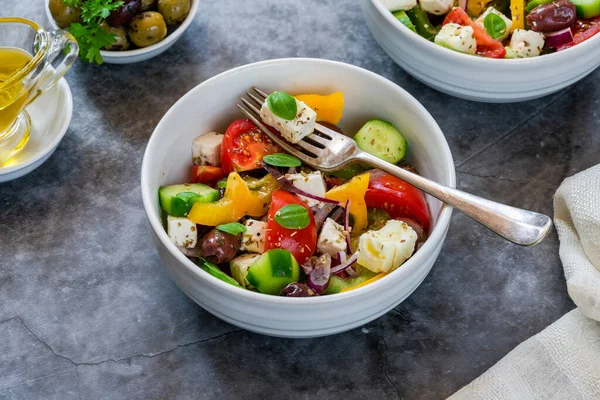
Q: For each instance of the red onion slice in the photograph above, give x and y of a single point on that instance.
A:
(350, 271)
(463, 4)
(558, 38)
(318, 280)
(347, 227)
(289, 186)
(349, 262)
(321, 213)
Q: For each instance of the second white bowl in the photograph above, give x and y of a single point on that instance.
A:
(479, 78)
(210, 106)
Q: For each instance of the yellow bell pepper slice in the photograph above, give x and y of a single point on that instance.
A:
(328, 108)
(365, 283)
(517, 9)
(353, 190)
(237, 202)
(476, 7)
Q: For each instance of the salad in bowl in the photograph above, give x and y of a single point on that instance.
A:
(500, 28)
(258, 219)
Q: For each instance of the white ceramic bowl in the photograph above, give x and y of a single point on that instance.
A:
(479, 78)
(211, 106)
(143, 54)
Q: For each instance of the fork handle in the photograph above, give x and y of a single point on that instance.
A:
(526, 228)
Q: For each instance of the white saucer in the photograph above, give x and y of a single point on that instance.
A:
(50, 117)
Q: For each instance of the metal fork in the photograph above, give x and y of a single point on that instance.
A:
(329, 151)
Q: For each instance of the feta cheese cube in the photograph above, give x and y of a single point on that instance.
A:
(457, 37)
(254, 237)
(436, 7)
(239, 268)
(526, 43)
(386, 249)
(312, 183)
(396, 5)
(332, 238)
(297, 128)
(206, 149)
(182, 231)
(492, 10)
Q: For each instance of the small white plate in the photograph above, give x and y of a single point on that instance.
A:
(50, 117)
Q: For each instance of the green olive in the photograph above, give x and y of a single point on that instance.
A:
(147, 28)
(148, 5)
(174, 11)
(121, 40)
(64, 15)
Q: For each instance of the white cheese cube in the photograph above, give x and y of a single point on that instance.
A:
(526, 43)
(312, 183)
(254, 237)
(302, 125)
(436, 7)
(332, 238)
(206, 149)
(507, 21)
(457, 37)
(386, 249)
(239, 268)
(182, 231)
(396, 5)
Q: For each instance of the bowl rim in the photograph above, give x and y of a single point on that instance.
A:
(458, 56)
(436, 237)
(145, 50)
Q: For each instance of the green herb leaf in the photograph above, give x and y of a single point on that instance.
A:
(91, 39)
(282, 160)
(222, 184)
(233, 228)
(283, 105)
(91, 10)
(214, 270)
(494, 25)
(292, 216)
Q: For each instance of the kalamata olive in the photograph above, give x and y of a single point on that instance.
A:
(124, 14)
(220, 247)
(297, 289)
(62, 14)
(121, 40)
(551, 17)
(174, 11)
(147, 29)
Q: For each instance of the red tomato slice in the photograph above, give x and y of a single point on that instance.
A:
(300, 242)
(244, 147)
(398, 198)
(486, 46)
(206, 174)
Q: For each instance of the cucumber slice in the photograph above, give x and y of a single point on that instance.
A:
(381, 139)
(336, 284)
(215, 271)
(403, 17)
(273, 270)
(177, 200)
(349, 172)
(587, 8)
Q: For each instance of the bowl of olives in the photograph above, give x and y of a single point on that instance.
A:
(122, 31)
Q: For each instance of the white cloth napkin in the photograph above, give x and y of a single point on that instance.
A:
(562, 361)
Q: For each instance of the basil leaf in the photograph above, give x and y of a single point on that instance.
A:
(292, 216)
(233, 228)
(494, 25)
(283, 105)
(222, 184)
(282, 160)
(216, 272)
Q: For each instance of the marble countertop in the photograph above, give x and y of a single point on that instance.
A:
(87, 311)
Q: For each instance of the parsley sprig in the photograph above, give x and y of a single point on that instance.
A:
(89, 35)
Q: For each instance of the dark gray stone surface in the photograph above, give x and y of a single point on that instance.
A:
(87, 311)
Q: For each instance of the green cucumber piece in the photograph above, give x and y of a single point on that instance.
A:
(421, 22)
(349, 172)
(336, 284)
(216, 272)
(177, 200)
(382, 139)
(273, 270)
(534, 3)
(587, 8)
(403, 17)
